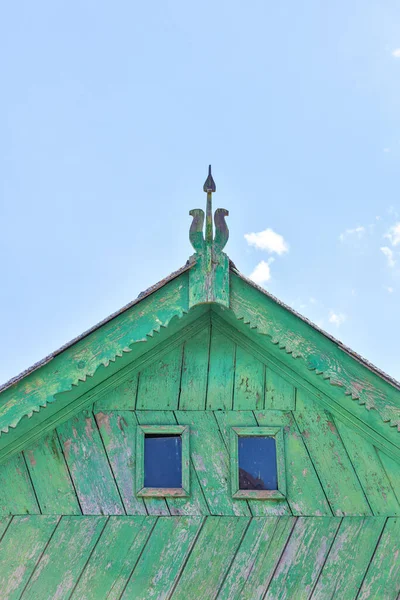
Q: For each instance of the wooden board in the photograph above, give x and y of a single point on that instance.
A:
(17, 496)
(195, 371)
(249, 381)
(159, 383)
(279, 393)
(221, 372)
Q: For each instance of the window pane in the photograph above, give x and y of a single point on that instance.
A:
(163, 461)
(257, 463)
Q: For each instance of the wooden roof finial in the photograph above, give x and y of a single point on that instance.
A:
(209, 187)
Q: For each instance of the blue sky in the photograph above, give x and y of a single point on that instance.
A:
(110, 115)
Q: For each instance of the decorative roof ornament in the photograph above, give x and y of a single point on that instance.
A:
(209, 278)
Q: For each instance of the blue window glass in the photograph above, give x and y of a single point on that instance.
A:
(257, 463)
(162, 461)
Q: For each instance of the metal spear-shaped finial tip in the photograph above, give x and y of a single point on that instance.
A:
(209, 184)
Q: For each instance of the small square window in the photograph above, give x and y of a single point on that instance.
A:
(258, 463)
(162, 461)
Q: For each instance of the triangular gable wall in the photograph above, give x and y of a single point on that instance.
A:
(211, 382)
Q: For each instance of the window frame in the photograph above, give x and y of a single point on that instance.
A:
(142, 431)
(277, 434)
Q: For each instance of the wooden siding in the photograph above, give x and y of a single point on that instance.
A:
(87, 466)
(230, 558)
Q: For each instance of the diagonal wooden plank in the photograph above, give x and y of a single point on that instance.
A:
(113, 558)
(370, 472)
(348, 558)
(303, 558)
(20, 550)
(250, 554)
(211, 558)
(64, 558)
(118, 432)
(382, 580)
(50, 477)
(195, 371)
(89, 467)
(17, 496)
(305, 493)
(335, 471)
(211, 462)
(245, 418)
(159, 567)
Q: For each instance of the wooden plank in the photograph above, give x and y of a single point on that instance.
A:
(211, 462)
(159, 383)
(249, 381)
(348, 558)
(279, 393)
(211, 558)
(118, 432)
(17, 496)
(114, 558)
(303, 558)
(335, 471)
(135, 551)
(392, 470)
(257, 558)
(50, 477)
(305, 494)
(370, 472)
(383, 576)
(221, 372)
(64, 558)
(161, 562)
(195, 371)
(89, 467)
(4, 523)
(121, 397)
(20, 550)
(228, 419)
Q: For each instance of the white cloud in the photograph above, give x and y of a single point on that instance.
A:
(393, 234)
(389, 255)
(396, 53)
(386, 150)
(261, 273)
(267, 240)
(337, 318)
(390, 290)
(357, 231)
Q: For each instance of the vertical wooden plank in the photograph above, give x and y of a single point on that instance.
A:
(211, 558)
(20, 550)
(88, 465)
(330, 459)
(221, 372)
(303, 558)
(348, 558)
(159, 383)
(122, 397)
(211, 461)
(159, 566)
(121, 541)
(249, 381)
(383, 576)
(370, 472)
(17, 496)
(279, 393)
(118, 432)
(195, 371)
(64, 558)
(228, 419)
(50, 477)
(304, 490)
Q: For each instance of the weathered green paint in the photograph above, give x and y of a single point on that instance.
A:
(215, 355)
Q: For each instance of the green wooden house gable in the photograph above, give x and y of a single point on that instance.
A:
(208, 350)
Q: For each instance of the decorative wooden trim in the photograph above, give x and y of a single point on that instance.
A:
(181, 430)
(277, 434)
